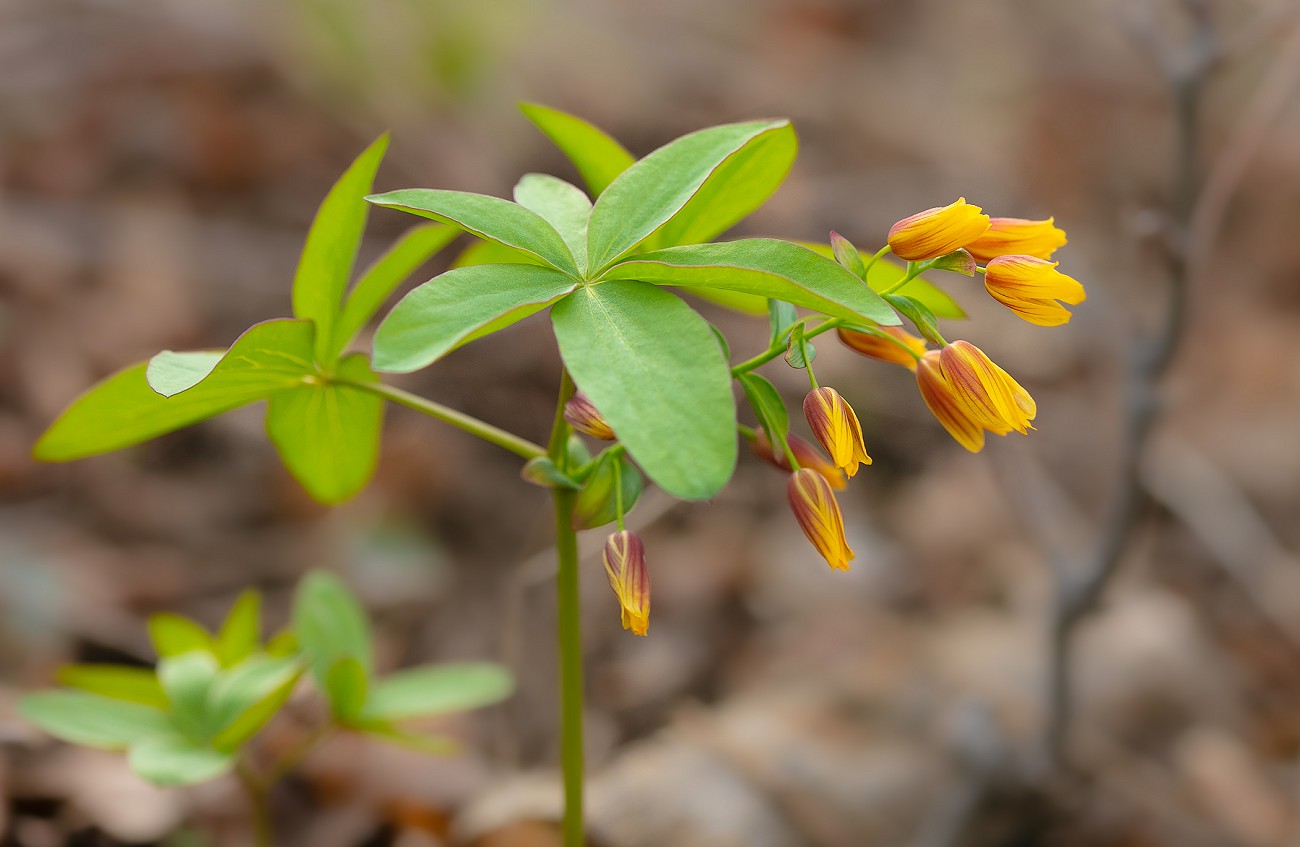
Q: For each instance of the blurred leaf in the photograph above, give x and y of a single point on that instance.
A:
(328, 433)
(174, 760)
(383, 277)
(598, 158)
(541, 471)
(919, 314)
(173, 635)
(241, 632)
(245, 697)
(186, 679)
(651, 192)
(438, 689)
(283, 644)
(124, 410)
(768, 406)
(722, 342)
(885, 273)
(492, 253)
(432, 745)
(487, 217)
(330, 625)
(655, 371)
(780, 317)
(763, 266)
(736, 301)
(564, 206)
(118, 682)
(346, 684)
(459, 306)
(597, 502)
(94, 721)
(331, 249)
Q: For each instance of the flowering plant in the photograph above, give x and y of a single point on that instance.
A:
(642, 370)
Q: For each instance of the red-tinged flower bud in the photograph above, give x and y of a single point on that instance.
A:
(805, 454)
(937, 232)
(904, 350)
(819, 516)
(836, 427)
(584, 417)
(969, 394)
(1030, 287)
(1009, 236)
(625, 566)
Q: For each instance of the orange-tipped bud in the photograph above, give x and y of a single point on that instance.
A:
(937, 232)
(805, 454)
(819, 516)
(883, 349)
(625, 566)
(836, 427)
(1030, 287)
(584, 417)
(969, 394)
(1017, 236)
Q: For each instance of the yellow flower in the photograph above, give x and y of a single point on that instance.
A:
(819, 516)
(883, 349)
(625, 566)
(1008, 236)
(1030, 287)
(584, 417)
(805, 454)
(937, 232)
(969, 394)
(835, 425)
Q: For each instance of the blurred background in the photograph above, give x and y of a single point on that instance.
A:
(160, 162)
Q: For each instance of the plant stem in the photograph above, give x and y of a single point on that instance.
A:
(259, 815)
(777, 349)
(486, 431)
(294, 755)
(569, 630)
(914, 269)
(866, 270)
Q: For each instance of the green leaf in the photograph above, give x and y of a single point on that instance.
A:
(780, 317)
(328, 433)
(919, 314)
(737, 187)
(331, 249)
(799, 353)
(268, 357)
(174, 760)
(246, 697)
(564, 207)
(433, 745)
(763, 266)
(722, 342)
(768, 406)
(459, 306)
(330, 624)
(186, 679)
(173, 635)
(884, 274)
(118, 682)
(124, 410)
(598, 158)
(597, 503)
(736, 301)
(94, 721)
(169, 373)
(487, 217)
(438, 690)
(491, 253)
(345, 685)
(283, 645)
(655, 371)
(649, 193)
(848, 256)
(541, 471)
(383, 277)
(241, 632)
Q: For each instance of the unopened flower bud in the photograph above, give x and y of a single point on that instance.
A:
(1030, 287)
(814, 506)
(937, 232)
(584, 417)
(870, 344)
(836, 427)
(1017, 236)
(969, 394)
(805, 454)
(624, 558)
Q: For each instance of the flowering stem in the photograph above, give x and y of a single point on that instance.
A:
(777, 349)
(569, 629)
(255, 789)
(866, 271)
(914, 269)
(486, 431)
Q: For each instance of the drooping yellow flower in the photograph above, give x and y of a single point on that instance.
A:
(1030, 287)
(882, 348)
(938, 231)
(1018, 236)
(584, 417)
(969, 394)
(624, 557)
(836, 427)
(805, 454)
(819, 516)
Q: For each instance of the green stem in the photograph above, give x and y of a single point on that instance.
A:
(569, 631)
(914, 269)
(259, 814)
(777, 349)
(866, 271)
(486, 431)
(294, 756)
